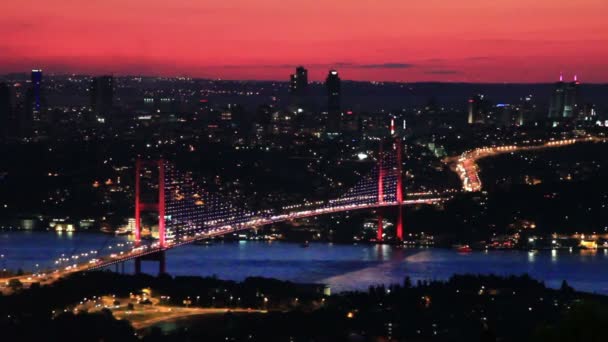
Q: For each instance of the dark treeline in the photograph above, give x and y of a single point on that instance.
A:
(465, 308)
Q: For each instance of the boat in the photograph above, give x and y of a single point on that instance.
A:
(122, 231)
(305, 244)
(106, 229)
(463, 248)
(203, 242)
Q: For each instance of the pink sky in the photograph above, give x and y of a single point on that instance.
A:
(395, 40)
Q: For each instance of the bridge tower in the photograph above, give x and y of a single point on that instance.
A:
(158, 207)
(399, 194)
(380, 194)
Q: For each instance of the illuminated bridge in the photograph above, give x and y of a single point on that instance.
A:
(188, 211)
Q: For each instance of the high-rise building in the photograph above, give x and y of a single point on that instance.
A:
(299, 81)
(5, 107)
(505, 115)
(333, 85)
(35, 102)
(478, 110)
(526, 111)
(564, 100)
(298, 88)
(571, 99)
(102, 96)
(589, 113)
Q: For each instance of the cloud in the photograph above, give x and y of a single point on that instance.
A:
(479, 58)
(342, 65)
(442, 72)
(385, 66)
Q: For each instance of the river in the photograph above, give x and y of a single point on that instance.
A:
(342, 267)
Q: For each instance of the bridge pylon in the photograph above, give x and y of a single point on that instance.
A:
(379, 233)
(158, 206)
(399, 191)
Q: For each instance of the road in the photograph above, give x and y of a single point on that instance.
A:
(142, 316)
(467, 168)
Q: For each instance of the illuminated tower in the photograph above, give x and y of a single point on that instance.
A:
(565, 99)
(36, 94)
(477, 109)
(571, 99)
(333, 85)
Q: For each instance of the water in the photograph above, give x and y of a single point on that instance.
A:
(343, 267)
(32, 251)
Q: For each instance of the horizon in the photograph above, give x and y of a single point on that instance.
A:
(26, 74)
(472, 41)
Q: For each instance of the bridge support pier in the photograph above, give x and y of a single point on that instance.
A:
(158, 256)
(400, 223)
(379, 233)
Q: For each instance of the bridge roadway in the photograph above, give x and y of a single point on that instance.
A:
(253, 223)
(467, 169)
(149, 249)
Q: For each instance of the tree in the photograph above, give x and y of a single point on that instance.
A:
(566, 288)
(15, 284)
(585, 321)
(407, 283)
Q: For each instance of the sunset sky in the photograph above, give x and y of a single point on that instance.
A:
(396, 40)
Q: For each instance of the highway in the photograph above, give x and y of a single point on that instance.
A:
(467, 168)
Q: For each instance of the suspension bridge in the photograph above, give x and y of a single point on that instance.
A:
(188, 211)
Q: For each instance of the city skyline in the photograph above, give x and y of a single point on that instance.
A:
(273, 170)
(472, 41)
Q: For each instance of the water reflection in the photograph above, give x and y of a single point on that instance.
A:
(383, 252)
(343, 267)
(531, 256)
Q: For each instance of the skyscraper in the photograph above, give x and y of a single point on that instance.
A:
(298, 87)
(299, 81)
(571, 99)
(526, 111)
(564, 100)
(102, 96)
(36, 94)
(478, 110)
(333, 85)
(5, 107)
